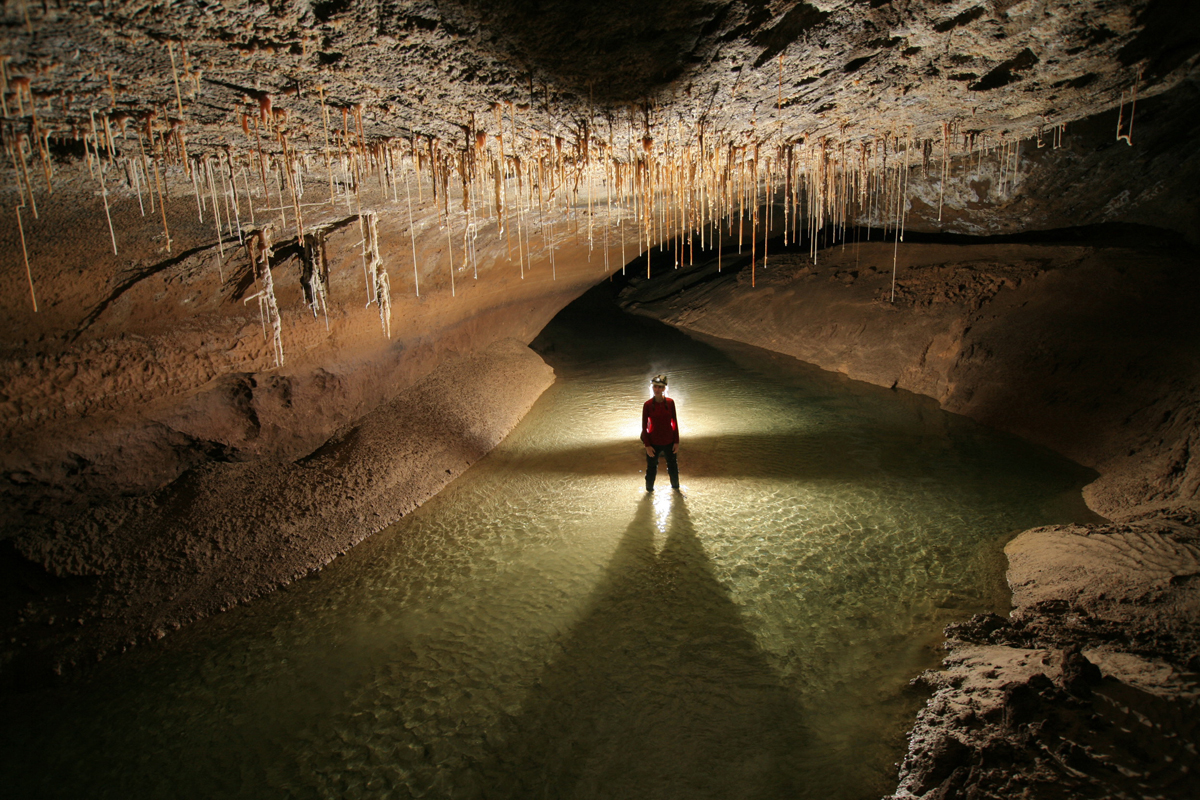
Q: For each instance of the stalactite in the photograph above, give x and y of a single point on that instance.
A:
(103, 188)
(450, 255)
(19, 147)
(161, 205)
(1126, 137)
(230, 187)
(212, 191)
(196, 194)
(145, 167)
(179, 99)
(942, 181)
(134, 178)
(684, 183)
(249, 193)
(259, 246)
(25, 254)
(377, 271)
(412, 235)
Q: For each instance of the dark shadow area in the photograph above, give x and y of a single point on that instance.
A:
(662, 263)
(1109, 234)
(594, 328)
(658, 691)
(617, 52)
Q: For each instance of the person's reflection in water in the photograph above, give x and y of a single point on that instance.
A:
(659, 690)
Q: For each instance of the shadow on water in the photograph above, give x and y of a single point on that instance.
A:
(658, 691)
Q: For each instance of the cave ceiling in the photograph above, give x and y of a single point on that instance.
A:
(617, 72)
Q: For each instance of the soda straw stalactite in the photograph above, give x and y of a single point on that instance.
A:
(162, 206)
(1126, 137)
(249, 193)
(103, 187)
(4, 83)
(19, 158)
(212, 191)
(412, 235)
(25, 253)
(179, 100)
(230, 190)
(450, 251)
(942, 181)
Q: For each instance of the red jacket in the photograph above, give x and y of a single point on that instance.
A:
(659, 426)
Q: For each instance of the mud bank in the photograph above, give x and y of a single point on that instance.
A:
(137, 567)
(1089, 688)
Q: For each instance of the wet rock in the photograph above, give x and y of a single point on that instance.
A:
(944, 761)
(1079, 676)
(986, 628)
(1057, 721)
(1022, 703)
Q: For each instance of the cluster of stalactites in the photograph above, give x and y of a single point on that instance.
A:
(623, 186)
(699, 189)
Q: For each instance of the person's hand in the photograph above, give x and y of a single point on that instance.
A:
(675, 447)
(649, 451)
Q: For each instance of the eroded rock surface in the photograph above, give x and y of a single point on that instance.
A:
(137, 567)
(1090, 688)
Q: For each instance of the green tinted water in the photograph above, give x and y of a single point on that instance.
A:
(546, 629)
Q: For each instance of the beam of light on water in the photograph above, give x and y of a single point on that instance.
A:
(546, 628)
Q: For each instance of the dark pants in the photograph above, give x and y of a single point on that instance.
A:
(652, 466)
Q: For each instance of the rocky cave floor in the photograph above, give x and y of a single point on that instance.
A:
(1089, 688)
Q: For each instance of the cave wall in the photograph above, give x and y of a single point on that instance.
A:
(1081, 176)
(1089, 350)
(139, 366)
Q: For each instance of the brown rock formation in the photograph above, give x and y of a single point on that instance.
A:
(1086, 690)
(139, 566)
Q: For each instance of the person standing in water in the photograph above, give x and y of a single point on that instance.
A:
(660, 433)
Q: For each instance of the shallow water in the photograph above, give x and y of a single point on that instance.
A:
(544, 628)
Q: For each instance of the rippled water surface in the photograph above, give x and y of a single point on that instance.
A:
(546, 629)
